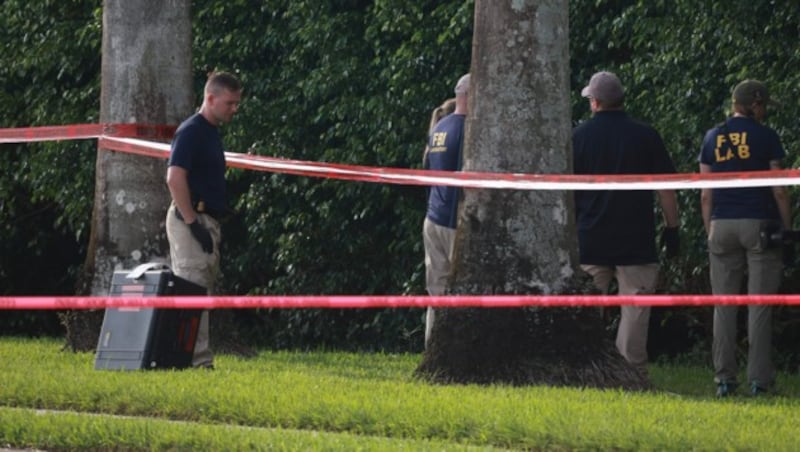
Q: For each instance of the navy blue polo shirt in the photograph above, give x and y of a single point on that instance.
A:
(617, 227)
(197, 148)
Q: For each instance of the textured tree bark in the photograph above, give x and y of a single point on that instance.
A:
(520, 242)
(147, 79)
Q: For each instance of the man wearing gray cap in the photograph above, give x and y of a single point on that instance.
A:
(443, 153)
(734, 219)
(617, 228)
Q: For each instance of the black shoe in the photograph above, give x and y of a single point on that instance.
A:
(726, 388)
(756, 390)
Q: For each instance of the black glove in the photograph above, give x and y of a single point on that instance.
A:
(671, 239)
(788, 254)
(203, 236)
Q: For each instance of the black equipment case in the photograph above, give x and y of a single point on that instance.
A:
(148, 338)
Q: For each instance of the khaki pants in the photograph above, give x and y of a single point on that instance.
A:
(439, 242)
(735, 253)
(634, 320)
(191, 263)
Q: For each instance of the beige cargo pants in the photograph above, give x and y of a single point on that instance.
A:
(190, 262)
(635, 320)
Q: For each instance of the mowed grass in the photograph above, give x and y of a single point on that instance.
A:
(50, 399)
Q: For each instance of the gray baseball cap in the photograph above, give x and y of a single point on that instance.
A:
(462, 87)
(605, 87)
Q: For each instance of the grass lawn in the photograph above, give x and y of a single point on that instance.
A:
(54, 400)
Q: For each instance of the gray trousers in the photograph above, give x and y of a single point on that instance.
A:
(190, 262)
(634, 320)
(735, 254)
(439, 242)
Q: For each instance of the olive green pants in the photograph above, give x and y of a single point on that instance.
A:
(736, 255)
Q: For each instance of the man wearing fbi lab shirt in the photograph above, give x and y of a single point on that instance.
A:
(734, 219)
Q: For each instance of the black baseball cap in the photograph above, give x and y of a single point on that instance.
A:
(748, 92)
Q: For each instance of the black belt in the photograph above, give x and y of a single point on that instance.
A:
(200, 207)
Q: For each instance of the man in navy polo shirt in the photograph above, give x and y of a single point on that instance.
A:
(617, 228)
(196, 181)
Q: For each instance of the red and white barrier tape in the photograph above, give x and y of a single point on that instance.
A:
(385, 301)
(405, 176)
(85, 131)
(113, 137)
(117, 137)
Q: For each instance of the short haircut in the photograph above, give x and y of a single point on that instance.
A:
(218, 81)
(615, 105)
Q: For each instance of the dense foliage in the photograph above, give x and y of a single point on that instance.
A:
(50, 75)
(352, 81)
(348, 82)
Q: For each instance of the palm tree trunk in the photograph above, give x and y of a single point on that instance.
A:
(146, 79)
(520, 242)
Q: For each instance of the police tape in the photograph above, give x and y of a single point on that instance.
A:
(383, 301)
(85, 131)
(466, 179)
(127, 138)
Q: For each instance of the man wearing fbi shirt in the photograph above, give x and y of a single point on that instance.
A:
(439, 229)
(734, 219)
